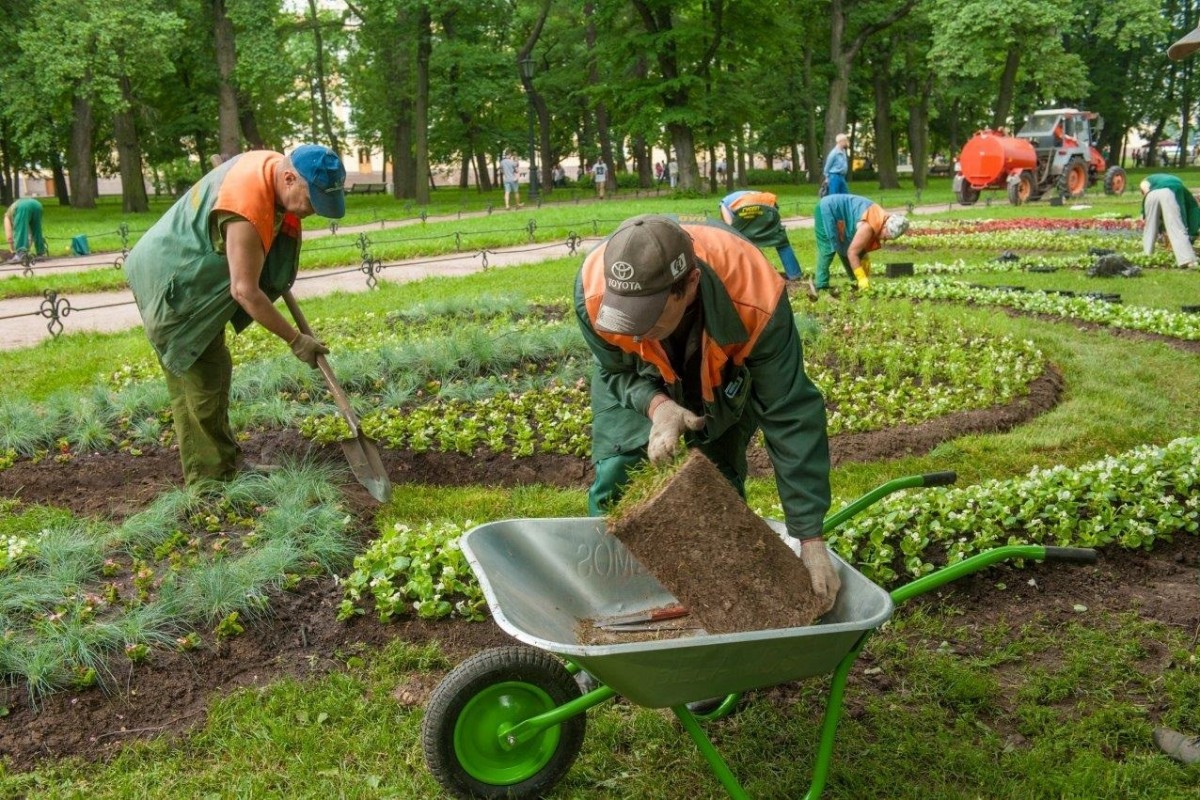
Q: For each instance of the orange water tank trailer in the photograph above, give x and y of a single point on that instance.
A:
(989, 157)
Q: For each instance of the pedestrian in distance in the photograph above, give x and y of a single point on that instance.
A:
(837, 166)
(223, 254)
(23, 228)
(1169, 209)
(755, 215)
(600, 176)
(673, 173)
(509, 168)
(658, 171)
(693, 338)
(851, 227)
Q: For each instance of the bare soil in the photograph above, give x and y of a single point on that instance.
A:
(715, 555)
(169, 695)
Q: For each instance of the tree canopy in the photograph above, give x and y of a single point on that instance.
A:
(149, 89)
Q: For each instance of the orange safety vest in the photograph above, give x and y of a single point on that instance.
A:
(753, 285)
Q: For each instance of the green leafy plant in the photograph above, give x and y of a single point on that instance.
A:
(414, 569)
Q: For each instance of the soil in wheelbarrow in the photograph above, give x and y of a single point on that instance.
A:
(719, 558)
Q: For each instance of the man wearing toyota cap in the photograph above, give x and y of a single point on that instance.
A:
(224, 253)
(1180, 746)
(693, 337)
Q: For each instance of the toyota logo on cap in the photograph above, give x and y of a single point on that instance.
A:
(621, 270)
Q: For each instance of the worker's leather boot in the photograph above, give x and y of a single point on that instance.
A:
(1177, 746)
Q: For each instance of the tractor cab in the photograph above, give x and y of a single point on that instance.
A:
(1056, 128)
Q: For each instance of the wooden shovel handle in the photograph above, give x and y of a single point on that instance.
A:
(339, 396)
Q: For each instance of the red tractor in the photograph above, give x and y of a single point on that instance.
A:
(1052, 153)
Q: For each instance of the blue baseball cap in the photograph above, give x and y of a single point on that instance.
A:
(322, 170)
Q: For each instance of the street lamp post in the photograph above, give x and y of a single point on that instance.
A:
(526, 64)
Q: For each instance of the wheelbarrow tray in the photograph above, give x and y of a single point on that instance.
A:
(545, 579)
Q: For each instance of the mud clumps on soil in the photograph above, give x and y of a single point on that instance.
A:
(698, 537)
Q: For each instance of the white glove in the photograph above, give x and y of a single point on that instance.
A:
(668, 423)
(825, 581)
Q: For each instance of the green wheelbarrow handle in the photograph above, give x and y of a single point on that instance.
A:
(879, 492)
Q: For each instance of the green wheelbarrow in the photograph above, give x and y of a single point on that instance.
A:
(509, 722)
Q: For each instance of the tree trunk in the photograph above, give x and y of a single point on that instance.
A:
(421, 179)
(482, 177)
(80, 157)
(740, 180)
(227, 105)
(1152, 156)
(657, 22)
(918, 128)
(404, 165)
(885, 146)
(643, 164)
(6, 168)
(249, 124)
(839, 84)
(60, 179)
(129, 153)
(954, 147)
(1008, 83)
(842, 56)
(319, 79)
(812, 153)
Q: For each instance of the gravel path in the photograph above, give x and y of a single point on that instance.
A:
(25, 321)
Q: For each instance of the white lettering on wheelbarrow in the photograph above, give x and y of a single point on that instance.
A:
(606, 561)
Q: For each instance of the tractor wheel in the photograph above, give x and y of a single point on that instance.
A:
(967, 194)
(1021, 191)
(1114, 181)
(1073, 180)
(481, 698)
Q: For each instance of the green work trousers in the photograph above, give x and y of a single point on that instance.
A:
(200, 405)
(27, 227)
(727, 452)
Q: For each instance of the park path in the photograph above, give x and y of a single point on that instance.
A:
(27, 321)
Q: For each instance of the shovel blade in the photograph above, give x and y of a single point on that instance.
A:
(368, 469)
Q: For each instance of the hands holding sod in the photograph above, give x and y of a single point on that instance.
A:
(825, 581)
(668, 421)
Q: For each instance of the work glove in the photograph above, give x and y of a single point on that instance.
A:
(825, 581)
(861, 275)
(668, 423)
(306, 348)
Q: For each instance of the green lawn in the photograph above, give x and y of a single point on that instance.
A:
(1021, 707)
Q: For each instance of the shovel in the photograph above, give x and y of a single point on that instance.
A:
(360, 451)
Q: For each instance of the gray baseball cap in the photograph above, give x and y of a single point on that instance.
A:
(1185, 46)
(642, 260)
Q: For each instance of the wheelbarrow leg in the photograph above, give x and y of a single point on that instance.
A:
(718, 765)
(833, 715)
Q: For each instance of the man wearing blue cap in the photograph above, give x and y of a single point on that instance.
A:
(224, 253)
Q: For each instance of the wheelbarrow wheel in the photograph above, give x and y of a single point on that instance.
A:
(491, 692)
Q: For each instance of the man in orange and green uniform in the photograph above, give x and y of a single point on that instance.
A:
(224, 253)
(755, 215)
(693, 337)
(850, 227)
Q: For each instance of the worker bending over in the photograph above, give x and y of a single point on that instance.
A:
(851, 227)
(693, 337)
(1168, 207)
